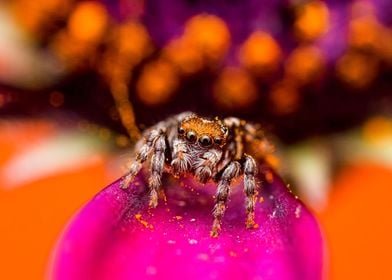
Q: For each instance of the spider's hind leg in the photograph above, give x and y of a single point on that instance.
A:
(250, 189)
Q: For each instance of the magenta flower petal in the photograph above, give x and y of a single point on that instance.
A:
(116, 236)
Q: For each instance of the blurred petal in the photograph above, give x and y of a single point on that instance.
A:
(358, 224)
(33, 215)
(66, 151)
(116, 236)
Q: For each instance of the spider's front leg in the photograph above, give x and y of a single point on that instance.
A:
(250, 189)
(156, 168)
(141, 157)
(231, 171)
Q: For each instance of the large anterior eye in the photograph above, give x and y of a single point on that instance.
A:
(191, 136)
(205, 141)
(180, 130)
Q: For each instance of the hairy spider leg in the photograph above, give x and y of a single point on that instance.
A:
(231, 171)
(156, 169)
(141, 157)
(250, 189)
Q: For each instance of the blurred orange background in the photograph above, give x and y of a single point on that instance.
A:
(49, 168)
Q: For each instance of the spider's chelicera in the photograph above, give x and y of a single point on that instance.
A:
(218, 150)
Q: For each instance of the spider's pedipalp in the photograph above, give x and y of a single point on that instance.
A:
(231, 171)
(156, 169)
(181, 158)
(206, 165)
(250, 189)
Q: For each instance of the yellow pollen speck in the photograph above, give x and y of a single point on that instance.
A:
(178, 218)
(162, 195)
(138, 217)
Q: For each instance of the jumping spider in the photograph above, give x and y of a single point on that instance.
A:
(208, 149)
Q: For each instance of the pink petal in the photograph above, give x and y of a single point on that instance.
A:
(116, 236)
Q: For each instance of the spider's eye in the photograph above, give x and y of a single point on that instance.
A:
(180, 130)
(205, 141)
(218, 140)
(191, 136)
(225, 130)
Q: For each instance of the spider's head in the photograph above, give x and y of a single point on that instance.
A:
(203, 132)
